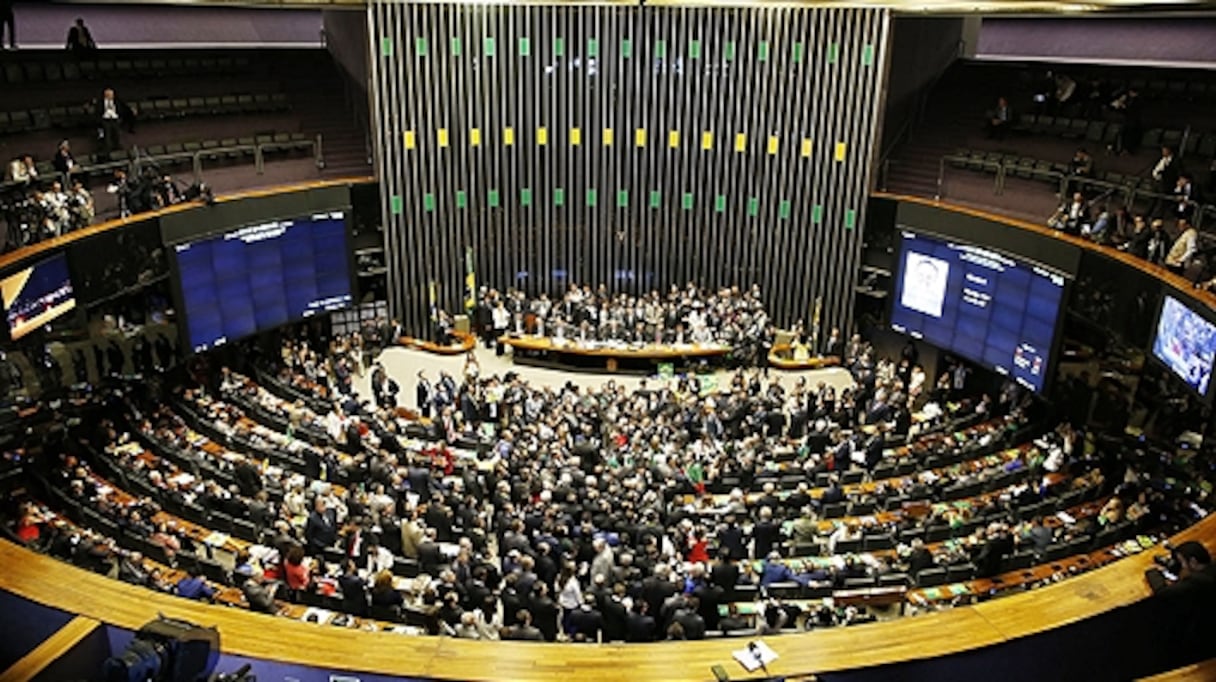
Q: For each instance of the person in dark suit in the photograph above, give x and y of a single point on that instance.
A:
(113, 115)
(586, 622)
(423, 394)
(544, 611)
(353, 589)
(523, 630)
(321, 529)
(80, 39)
(640, 625)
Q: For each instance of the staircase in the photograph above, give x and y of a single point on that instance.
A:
(318, 99)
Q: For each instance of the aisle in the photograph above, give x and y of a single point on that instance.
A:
(403, 365)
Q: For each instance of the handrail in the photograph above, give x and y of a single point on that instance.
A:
(1128, 188)
(13, 257)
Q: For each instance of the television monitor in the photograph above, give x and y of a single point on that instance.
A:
(1186, 343)
(36, 295)
(997, 310)
(261, 276)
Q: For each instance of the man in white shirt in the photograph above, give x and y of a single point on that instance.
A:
(1184, 247)
(21, 169)
(112, 114)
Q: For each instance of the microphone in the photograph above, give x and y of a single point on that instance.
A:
(751, 646)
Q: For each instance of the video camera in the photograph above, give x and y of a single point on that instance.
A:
(170, 650)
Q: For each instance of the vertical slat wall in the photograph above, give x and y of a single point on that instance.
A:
(634, 146)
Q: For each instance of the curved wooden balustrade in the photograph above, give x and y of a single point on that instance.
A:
(48, 245)
(782, 357)
(51, 582)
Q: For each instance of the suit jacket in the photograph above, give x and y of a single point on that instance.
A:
(321, 530)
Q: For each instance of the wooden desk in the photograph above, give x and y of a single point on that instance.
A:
(572, 353)
(55, 584)
(464, 343)
(781, 357)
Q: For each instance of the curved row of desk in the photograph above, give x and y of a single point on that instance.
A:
(47, 581)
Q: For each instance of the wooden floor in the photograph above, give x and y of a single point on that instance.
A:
(62, 586)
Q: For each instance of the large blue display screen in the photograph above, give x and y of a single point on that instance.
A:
(262, 276)
(985, 306)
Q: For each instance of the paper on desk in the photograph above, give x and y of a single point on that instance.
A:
(747, 658)
(1066, 518)
(313, 614)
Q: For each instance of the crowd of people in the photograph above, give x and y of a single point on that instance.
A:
(585, 315)
(538, 512)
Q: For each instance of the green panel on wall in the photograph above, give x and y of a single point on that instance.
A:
(833, 52)
(593, 47)
(817, 213)
(559, 47)
(728, 52)
(487, 46)
(493, 198)
(592, 197)
(559, 197)
(686, 201)
(660, 49)
(525, 46)
(694, 49)
(386, 47)
(798, 51)
(622, 198)
(720, 203)
(428, 202)
(626, 48)
(462, 199)
(762, 55)
(753, 206)
(867, 55)
(850, 219)
(420, 46)
(525, 197)
(656, 198)
(783, 211)
(395, 202)
(456, 46)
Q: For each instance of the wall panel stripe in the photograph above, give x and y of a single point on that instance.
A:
(635, 146)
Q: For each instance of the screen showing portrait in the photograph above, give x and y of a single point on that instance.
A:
(986, 306)
(262, 276)
(36, 295)
(1186, 343)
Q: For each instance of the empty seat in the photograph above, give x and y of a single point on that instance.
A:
(960, 573)
(893, 580)
(848, 546)
(877, 543)
(931, 577)
(784, 590)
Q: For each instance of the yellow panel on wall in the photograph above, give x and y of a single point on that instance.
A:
(806, 146)
(840, 150)
(740, 142)
(443, 137)
(707, 140)
(639, 137)
(475, 137)
(410, 139)
(673, 139)
(772, 144)
(542, 136)
(508, 136)
(576, 136)
(607, 137)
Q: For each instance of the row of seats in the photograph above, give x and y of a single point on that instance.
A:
(25, 121)
(36, 71)
(1098, 132)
